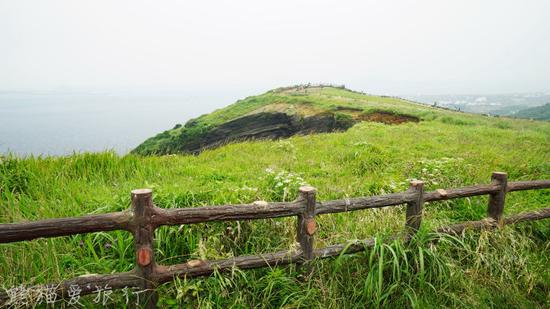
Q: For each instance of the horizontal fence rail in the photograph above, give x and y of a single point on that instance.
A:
(13, 232)
(143, 218)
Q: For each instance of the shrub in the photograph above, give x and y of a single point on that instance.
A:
(343, 121)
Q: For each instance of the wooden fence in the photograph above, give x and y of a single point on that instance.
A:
(143, 218)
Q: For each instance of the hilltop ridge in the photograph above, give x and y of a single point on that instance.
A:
(280, 113)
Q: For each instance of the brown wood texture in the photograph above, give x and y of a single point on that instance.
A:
(142, 207)
(88, 285)
(195, 268)
(456, 229)
(65, 226)
(414, 208)
(497, 199)
(12, 232)
(439, 195)
(528, 185)
(306, 221)
(168, 273)
(540, 214)
(257, 210)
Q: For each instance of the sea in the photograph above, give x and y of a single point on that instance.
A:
(56, 124)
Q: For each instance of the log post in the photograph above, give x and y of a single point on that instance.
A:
(142, 207)
(496, 200)
(414, 208)
(306, 222)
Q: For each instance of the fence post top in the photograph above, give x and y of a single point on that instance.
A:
(500, 174)
(416, 183)
(142, 191)
(307, 189)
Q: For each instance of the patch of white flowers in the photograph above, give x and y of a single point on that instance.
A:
(286, 146)
(435, 172)
(246, 193)
(283, 184)
(394, 187)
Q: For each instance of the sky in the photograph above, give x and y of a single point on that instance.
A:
(382, 47)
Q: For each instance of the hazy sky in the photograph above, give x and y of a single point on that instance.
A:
(394, 47)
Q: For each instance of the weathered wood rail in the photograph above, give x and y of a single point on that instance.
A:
(143, 218)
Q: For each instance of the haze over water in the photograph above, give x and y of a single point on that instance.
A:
(58, 124)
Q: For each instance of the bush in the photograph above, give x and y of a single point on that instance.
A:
(343, 121)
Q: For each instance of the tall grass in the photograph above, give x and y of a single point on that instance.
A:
(430, 271)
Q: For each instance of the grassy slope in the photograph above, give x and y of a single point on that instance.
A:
(446, 150)
(311, 101)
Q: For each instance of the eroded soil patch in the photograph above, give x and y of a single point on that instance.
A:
(387, 117)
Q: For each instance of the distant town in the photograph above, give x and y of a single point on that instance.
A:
(494, 104)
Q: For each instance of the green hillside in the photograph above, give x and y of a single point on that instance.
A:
(377, 155)
(282, 112)
(536, 113)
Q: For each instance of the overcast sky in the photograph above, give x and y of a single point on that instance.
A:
(392, 47)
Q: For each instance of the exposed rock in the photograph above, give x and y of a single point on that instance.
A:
(279, 113)
(265, 126)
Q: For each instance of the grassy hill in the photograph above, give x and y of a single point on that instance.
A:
(280, 113)
(446, 149)
(536, 113)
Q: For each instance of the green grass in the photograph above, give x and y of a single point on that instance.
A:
(506, 268)
(293, 102)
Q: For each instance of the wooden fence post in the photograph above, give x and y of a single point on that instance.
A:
(496, 200)
(306, 222)
(414, 208)
(142, 206)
